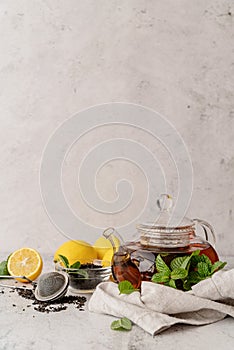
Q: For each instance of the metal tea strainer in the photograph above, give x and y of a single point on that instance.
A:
(49, 287)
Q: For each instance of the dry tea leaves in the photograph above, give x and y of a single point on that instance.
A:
(53, 306)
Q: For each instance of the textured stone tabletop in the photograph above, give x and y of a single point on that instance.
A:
(22, 327)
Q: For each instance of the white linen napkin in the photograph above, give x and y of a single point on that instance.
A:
(158, 307)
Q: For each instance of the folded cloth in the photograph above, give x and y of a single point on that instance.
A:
(158, 307)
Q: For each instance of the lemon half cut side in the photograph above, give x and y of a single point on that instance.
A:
(25, 262)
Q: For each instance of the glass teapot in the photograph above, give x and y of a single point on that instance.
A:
(135, 261)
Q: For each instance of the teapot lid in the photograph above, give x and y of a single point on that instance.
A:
(165, 204)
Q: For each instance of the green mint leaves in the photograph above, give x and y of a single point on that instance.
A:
(123, 324)
(161, 266)
(66, 263)
(185, 271)
(218, 265)
(126, 287)
(75, 266)
(64, 260)
(3, 268)
(179, 273)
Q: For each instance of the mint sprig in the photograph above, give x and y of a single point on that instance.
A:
(75, 266)
(186, 270)
(64, 260)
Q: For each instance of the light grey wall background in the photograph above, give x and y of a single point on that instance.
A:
(59, 57)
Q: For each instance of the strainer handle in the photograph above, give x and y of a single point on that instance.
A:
(208, 230)
(13, 277)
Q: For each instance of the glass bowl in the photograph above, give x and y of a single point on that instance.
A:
(87, 277)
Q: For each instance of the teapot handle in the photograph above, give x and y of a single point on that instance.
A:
(208, 230)
(111, 232)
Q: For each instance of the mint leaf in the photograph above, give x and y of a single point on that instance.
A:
(205, 259)
(186, 285)
(203, 269)
(179, 274)
(161, 266)
(172, 284)
(115, 325)
(183, 261)
(126, 287)
(196, 252)
(195, 260)
(80, 272)
(160, 277)
(201, 258)
(218, 265)
(164, 254)
(76, 265)
(177, 262)
(194, 277)
(123, 324)
(186, 262)
(64, 260)
(3, 268)
(126, 323)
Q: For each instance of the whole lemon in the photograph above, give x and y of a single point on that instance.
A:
(106, 261)
(76, 250)
(102, 245)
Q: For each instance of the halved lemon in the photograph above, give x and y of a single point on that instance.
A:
(25, 262)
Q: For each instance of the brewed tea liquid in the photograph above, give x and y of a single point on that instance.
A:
(123, 269)
(131, 268)
(207, 250)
